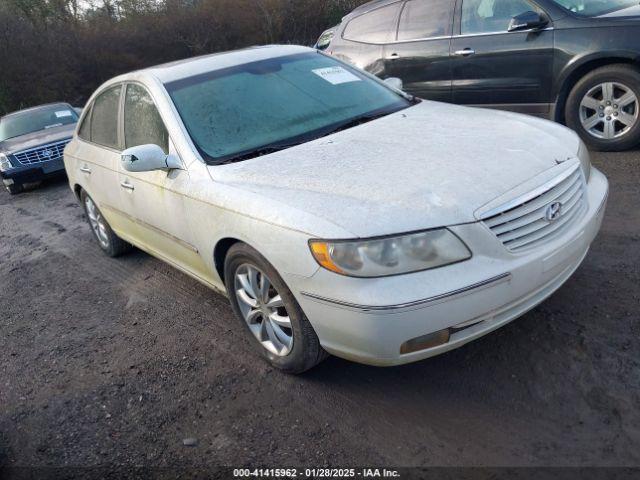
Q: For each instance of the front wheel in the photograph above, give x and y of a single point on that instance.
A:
(604, 108)
(276, 324)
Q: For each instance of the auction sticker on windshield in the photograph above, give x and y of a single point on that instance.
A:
(63, 113)
(336, 75)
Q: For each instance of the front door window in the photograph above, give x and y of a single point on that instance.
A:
(142, 122)
(491, 16)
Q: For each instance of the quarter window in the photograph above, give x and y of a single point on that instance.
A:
(492, 16)
(425, 18)
(85, 129)
(142, 122)
(377, 26)
(104, 118)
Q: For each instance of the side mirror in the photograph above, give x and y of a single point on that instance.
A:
(527, 21)
(394, 82)
(325, 39)
(147, 158)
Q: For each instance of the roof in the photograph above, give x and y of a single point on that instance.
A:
(33, 109)
(371, 5)
(170, 72)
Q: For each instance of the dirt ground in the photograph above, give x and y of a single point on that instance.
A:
(116, 362)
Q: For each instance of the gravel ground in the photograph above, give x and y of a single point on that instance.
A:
(116, 362)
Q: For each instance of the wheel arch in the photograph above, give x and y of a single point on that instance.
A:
(77, 190)
(220, 252)
(575, 71)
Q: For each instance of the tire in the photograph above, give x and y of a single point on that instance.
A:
(108, 241)
(14, 189)
(616, 127)
(305, 351)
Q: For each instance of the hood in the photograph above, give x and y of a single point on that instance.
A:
(633, 11)
(428, 166)
(36, 139)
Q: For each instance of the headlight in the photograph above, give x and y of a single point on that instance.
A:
(5, 164)
(585, 160)
(387, 256)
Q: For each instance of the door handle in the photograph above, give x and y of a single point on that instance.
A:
(86, 170)
(394, 56)
(466, 52)
(126, 185)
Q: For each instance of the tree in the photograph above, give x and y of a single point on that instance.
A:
(62, 50)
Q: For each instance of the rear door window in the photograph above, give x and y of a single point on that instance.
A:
(104, 118)
(425, 19)
(377, 26)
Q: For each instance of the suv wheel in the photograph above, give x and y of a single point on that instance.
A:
(109, 242)
(14, 189)
(604, 108)
(276, 324)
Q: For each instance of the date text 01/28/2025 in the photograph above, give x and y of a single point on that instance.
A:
(315, 473)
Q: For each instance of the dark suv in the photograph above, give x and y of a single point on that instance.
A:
(573, 61)
(32, 142)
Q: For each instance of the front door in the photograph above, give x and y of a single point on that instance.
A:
(494, 67)
(420, 54)
(154, 201)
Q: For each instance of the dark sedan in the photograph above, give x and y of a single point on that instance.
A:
(573, 61)
(32, 142)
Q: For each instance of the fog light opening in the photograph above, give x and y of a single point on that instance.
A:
(426, 341)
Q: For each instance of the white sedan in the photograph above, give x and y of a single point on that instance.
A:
(338, 214)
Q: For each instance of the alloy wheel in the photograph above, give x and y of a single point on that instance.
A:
(609, 110)
(97, 222)
(263, 309)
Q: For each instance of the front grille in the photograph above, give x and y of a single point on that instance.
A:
(46, 153)
(537, 218)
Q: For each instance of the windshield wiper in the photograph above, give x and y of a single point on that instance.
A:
(355, 122)
(268, 149)
(259, 152)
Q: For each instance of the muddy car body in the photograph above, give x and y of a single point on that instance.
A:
(366, 235)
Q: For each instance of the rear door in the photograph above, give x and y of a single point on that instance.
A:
(494, 67)
(96, 155)
(420, 53)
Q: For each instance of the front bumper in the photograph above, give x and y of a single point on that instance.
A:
(32, 173)
(368, 320)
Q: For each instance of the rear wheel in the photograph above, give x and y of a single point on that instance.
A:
(109, 242)
(276, 324)
(14, 189)
(604, 108)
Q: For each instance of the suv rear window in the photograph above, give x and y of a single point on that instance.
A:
(425, 19)
(377, 26)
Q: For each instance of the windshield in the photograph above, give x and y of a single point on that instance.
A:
(595, 8)
(23, 123)
(265, 106)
